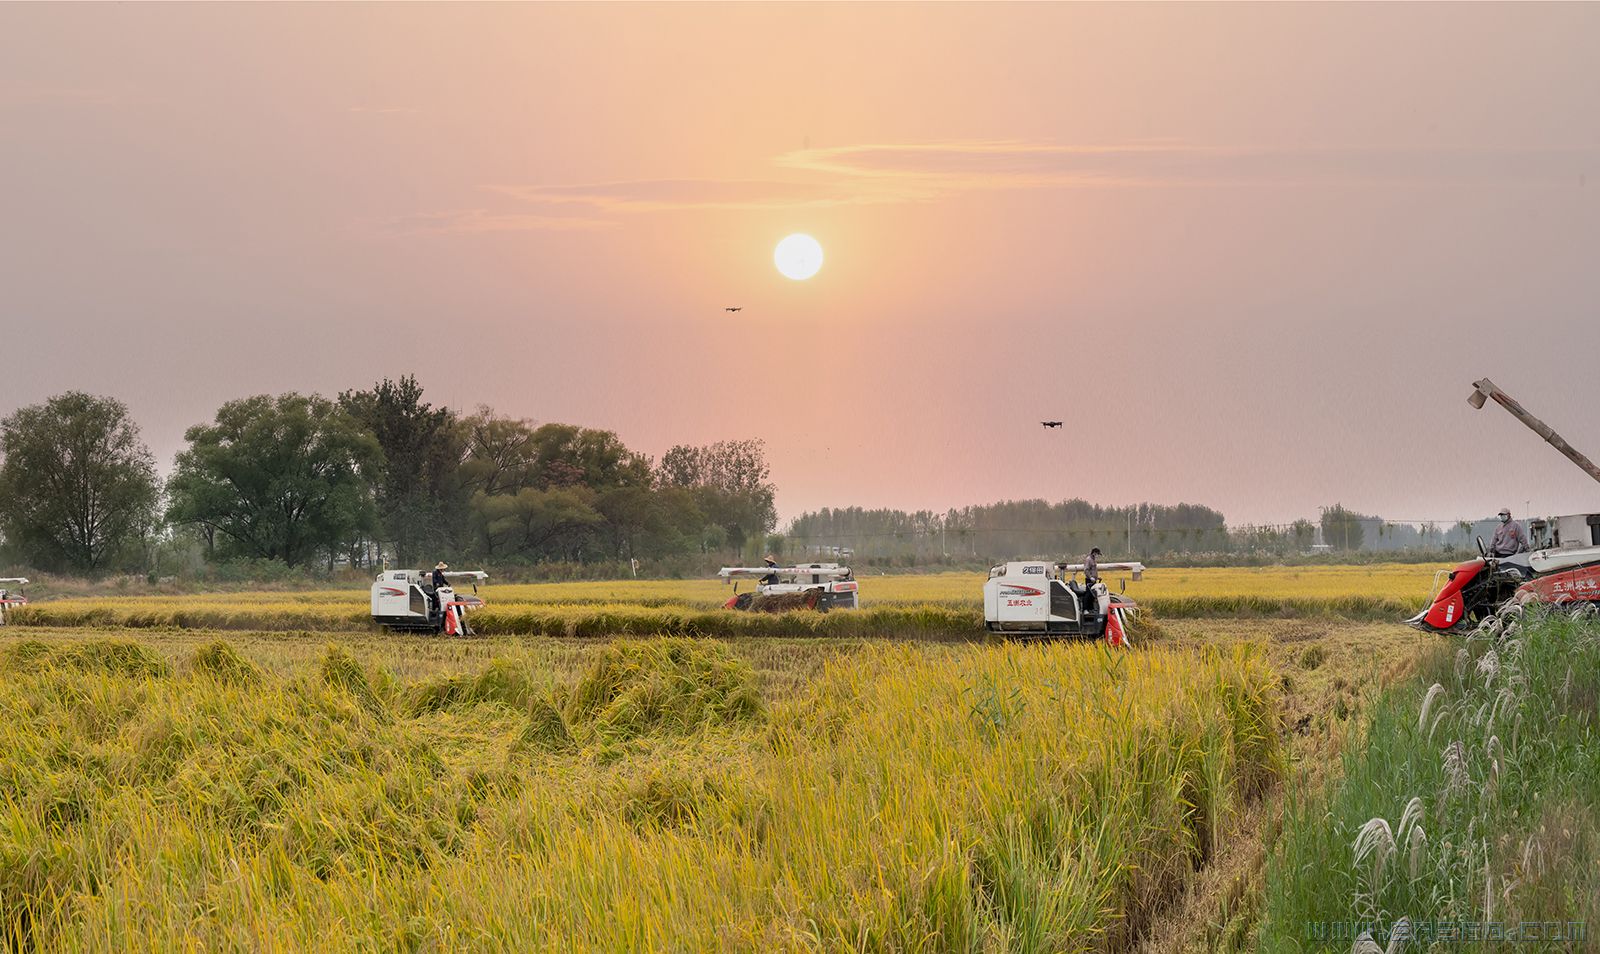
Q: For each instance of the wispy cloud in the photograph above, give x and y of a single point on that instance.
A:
(881, 173)
(485, 220)
(668, 195)
(961, 166)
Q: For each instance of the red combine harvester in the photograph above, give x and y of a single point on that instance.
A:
(1561, 567)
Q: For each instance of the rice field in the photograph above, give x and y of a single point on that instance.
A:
(176, 790)
(265, 771)
(943, 605)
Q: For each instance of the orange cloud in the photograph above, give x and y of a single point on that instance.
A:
(883, 173)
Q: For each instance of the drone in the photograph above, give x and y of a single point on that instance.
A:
(1051, 423)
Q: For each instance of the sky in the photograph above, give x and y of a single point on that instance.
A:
(1253, 255)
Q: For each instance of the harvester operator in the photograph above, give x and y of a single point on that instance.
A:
(439, 580)
(1091, 569)
(1509, 537)
(771, 564)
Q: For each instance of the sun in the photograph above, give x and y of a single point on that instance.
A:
(798, 256)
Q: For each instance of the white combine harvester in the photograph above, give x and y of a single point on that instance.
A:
(1036, 599)
(407, 601)
(835, 585)
(8, 598)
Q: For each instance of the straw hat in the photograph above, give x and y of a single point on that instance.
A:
(441, 565)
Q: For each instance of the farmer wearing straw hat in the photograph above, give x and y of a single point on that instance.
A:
(771, 564)
(437, 581)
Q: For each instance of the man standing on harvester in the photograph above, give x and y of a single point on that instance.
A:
(1509, 537)
(439, 580)
(1091, 569)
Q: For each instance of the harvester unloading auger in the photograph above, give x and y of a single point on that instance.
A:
(1561, 567)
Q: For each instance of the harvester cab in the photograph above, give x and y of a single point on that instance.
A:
(407, 601)
(11, 594)
(1036, 599)
(1565, 569)
(833, 586)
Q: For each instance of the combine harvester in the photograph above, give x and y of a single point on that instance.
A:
(1034, 599)
(9, 599)
(407, 601)
(1561, 567)
(818, 586)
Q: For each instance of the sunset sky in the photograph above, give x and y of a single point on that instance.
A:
(1253, 255)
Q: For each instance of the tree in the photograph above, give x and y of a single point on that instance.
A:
(1342, 528)
(419, 495)
(76, 484)
(537, 524)
(279, 478)
(731, 479)
(566, 455)
(500, 454)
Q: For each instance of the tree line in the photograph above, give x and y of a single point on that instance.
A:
(1181, 533)
(371, 475)
(1008, 529)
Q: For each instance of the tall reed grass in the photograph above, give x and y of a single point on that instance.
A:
(1471, 803)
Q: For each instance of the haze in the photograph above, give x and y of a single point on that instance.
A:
(1253, 255)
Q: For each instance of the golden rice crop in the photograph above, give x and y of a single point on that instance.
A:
(930, 605)
(914, 798)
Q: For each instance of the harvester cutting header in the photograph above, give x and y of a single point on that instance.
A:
(1561, 564)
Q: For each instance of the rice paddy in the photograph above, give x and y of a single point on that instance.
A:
(266, 771)
(189, 792)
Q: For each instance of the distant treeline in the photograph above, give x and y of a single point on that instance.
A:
(374, 475)
(1010, 528)
(1176, 534)
(380, 476)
